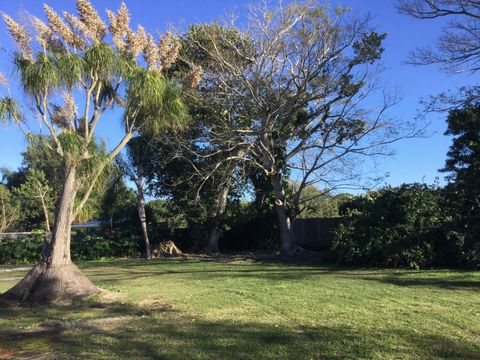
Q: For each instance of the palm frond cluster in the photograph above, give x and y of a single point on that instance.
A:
(75, 52)
(77, 66)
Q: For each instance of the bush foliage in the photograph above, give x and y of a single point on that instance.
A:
(85, 246)
(407, 226)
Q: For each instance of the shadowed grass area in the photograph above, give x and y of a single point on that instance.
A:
(196, 309)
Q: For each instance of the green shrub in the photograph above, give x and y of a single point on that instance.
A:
(395, 227)
(22, 250)
(101, 244)
(91, 247)
(126, 246)
(85, 246)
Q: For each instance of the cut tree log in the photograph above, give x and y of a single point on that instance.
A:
(166, 249)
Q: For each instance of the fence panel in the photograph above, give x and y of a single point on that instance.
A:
(314, 234)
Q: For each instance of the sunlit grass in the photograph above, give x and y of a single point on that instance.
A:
(193, 309)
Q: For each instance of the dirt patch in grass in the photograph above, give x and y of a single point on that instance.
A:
(6, 353)
(107, 296)
(28, 355)
(154, 305)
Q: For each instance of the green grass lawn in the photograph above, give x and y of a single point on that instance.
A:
(197, 309)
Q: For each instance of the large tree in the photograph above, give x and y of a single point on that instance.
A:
(78, 69)
(457, 50)
(463, 191)
(179, 168)
(212, 157)
(294, 82)
(35, 197)
(458, 47)
(133, 167)
(9, 209)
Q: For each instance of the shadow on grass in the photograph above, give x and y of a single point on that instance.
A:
(126, 331)
(202, 275)
(113, 271)
(199, 269)
(442, 283)
(305, 259)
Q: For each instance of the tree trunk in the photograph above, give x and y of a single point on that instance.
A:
(142, 216)
(287, 237)
(3, 224)
(216, 232)
(45, 213)
(56, 278)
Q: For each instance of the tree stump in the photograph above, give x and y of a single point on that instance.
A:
(166, 249)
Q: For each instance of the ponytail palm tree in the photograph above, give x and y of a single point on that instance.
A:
(77, 68)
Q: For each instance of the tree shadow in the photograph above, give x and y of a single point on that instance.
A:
(156, 331)
(271, 269)
(309, 258)
(273, 274)
(442, 283)
(198, 269)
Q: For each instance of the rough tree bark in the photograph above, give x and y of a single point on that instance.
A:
(287, 237)
(142, 216)
(56, 277)
(215, 234)
(3, 224)
(45, 213)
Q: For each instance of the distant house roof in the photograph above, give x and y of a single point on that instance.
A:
(90, 224)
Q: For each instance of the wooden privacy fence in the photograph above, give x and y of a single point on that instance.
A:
(311, 234)
(315, 234)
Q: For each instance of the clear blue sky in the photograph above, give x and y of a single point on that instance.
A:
(414, 160)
